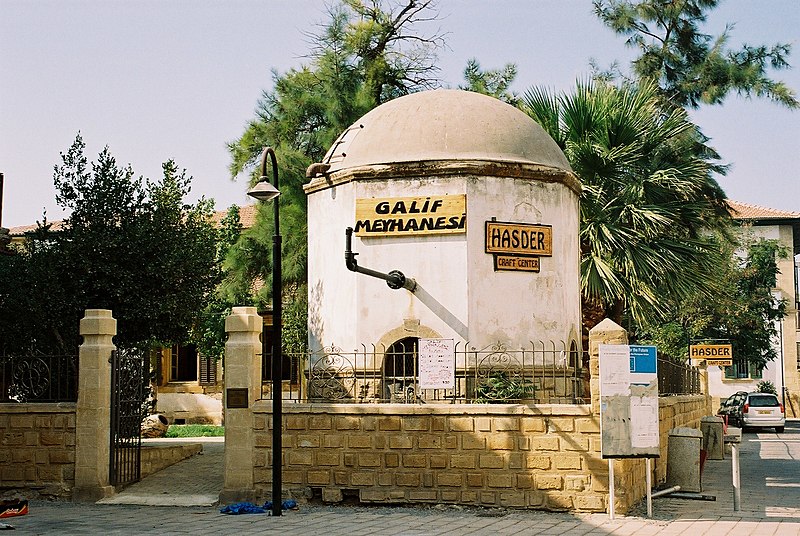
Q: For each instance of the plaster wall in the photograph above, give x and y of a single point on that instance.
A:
(459, 295)
(438, 263)
(788, 328)
(519, 307)
(190, 407)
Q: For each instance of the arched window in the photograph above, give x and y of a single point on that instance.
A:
(400, 370)
(400, 360)
(574, 356)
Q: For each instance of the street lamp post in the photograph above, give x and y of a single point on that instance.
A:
(265, 191)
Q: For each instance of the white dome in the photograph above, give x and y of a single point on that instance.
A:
(444, 124)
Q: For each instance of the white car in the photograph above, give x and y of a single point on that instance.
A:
(760, 410)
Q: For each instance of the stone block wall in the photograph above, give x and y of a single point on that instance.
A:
(492, 455)
(544, 456)
(539, 457)
(37, 449)
(158, 457)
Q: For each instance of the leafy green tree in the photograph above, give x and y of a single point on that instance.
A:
(690, 67)
(209, 331)
(743, 310)
(34, 298)
(393, 60)
(647, 198)
(367, 53)
(493, 82)
(133, 247)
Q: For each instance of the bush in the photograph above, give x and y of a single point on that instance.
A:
(195, 430)
(766, 386)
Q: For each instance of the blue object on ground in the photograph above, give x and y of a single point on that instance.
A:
(242, 508)
(288, 504)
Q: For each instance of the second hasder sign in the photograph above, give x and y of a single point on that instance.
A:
(519, 238)
(434, 214)
(713, 351)
(720, 355)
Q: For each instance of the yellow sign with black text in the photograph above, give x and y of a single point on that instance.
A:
(519, 238)
(713, 354)
(511, 263)
(404, 216)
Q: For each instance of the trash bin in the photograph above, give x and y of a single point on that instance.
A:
(683, 458)
(713, 433)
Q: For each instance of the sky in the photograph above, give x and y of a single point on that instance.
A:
(179, 79)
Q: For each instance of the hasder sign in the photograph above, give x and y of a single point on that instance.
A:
(434, 214)
(519, 239)
(712, 354)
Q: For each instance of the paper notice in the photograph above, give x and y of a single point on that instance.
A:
(615, 370)
(436, 364)
(644, 415)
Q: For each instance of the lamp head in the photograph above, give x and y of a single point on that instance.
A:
(263, 190)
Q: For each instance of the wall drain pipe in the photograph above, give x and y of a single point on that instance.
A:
(395, 279)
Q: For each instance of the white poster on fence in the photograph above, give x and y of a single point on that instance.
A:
(437, 364)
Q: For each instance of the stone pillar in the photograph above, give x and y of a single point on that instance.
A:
(606, 332)
(702, 372)
(242, 388)
(93, 411)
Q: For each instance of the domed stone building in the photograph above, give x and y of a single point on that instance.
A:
(472, 202)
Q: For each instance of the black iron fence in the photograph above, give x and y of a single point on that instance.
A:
(677, 378)
(39, 378)
(542, 372)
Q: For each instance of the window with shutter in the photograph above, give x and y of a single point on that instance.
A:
(208, 371)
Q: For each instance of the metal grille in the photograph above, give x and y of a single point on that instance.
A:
(38, 378)
(128, 407)
(543, 372)
(677, 378)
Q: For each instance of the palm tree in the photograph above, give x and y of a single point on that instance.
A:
(648, 196)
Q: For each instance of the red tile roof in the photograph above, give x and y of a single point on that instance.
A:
(745, 211)
(22, 229)
(247, 215)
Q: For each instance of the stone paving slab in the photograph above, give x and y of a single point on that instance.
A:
(78, 519)
(195, 481)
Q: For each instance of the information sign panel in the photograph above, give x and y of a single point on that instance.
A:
(629, 425)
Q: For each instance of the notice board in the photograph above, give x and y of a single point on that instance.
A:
(628, 401)
(437, 364)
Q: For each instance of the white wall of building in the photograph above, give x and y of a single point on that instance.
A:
(459, 294)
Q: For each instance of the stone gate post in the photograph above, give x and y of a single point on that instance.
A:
(242, 389)
(93, 411)
(606, 332)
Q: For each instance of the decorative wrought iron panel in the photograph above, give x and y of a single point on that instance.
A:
(332, 377)
(129, 379)
(38, 378)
